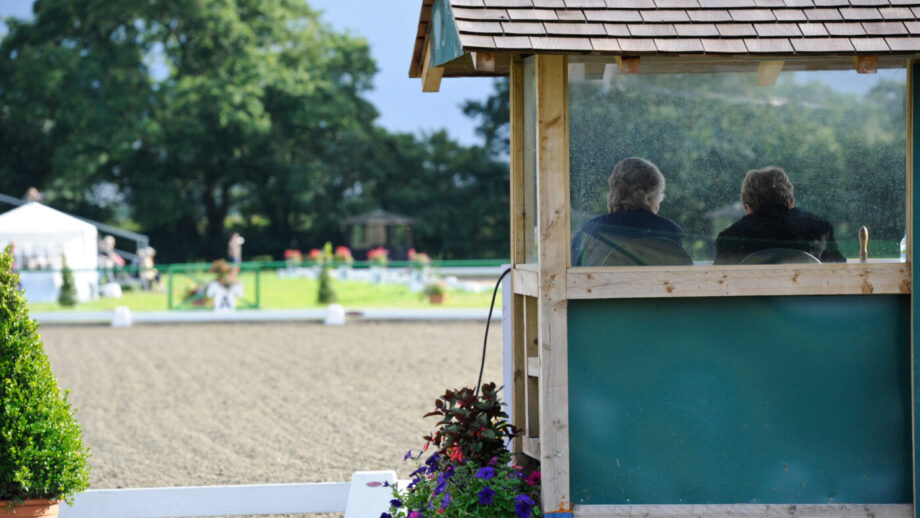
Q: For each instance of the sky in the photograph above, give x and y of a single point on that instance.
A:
(390, 28)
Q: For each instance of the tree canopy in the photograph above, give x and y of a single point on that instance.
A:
(191, 119)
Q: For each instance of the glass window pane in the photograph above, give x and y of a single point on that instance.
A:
(838, 135)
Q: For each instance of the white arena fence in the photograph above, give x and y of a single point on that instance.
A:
(366, 496)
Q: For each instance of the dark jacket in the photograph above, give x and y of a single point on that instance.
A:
(775, 226)
(593, 240)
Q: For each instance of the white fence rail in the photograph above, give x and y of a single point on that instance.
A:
(366, 496)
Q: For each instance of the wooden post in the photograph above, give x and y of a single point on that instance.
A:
(518, 383)
(553, 213)
(431, 76)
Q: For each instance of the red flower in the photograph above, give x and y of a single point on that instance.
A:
(456, 455)
(533, 479)
(314, 254)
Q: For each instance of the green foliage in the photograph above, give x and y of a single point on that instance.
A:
(259, 122)
(470, 474)
(326, 293)
(41, 449)
(471, 427)
(68, 294)
(466, 491)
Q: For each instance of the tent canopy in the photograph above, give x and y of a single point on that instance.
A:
(36, 225)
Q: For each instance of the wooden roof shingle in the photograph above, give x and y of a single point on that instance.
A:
(682, 27)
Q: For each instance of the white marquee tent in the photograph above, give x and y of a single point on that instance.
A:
(42, 238)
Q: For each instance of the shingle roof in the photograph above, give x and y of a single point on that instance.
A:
(662, 27)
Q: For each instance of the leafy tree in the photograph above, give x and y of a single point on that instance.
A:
(191, 119)
(494, 117)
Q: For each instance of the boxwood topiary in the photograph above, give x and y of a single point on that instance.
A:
(41, 449)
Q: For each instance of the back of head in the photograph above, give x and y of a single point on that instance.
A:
(767, 186)
(633, 183)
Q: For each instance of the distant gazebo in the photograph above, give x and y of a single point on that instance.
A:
(380, 228)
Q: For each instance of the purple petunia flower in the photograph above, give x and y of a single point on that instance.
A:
(440, 487)
(415, 514)
(485, 495)
(446, 501)
(386, 515)
(485, 473)
(396, 503)
(523, 505)
(493, 461)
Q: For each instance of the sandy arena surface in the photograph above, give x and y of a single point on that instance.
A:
(205, 404)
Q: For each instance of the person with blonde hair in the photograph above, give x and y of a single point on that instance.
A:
(773, 221)
(636, 190)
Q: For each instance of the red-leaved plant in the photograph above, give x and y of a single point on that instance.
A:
(472, 428)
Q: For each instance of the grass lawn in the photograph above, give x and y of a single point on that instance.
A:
(287, 293)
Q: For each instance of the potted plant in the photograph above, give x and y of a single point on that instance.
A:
(42, 456)
(470, 473)
(343, 261)
(378, 259)
(435, 292)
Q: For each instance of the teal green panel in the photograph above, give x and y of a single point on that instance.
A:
(445, 41)
(914, 123)
(740, 400)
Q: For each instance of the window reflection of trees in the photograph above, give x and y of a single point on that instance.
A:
(844, 152)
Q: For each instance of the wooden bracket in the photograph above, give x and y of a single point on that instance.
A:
(628, 64)
(595, 70)
(768, 72)
(866, 64)
(483, 61)
(431, 76)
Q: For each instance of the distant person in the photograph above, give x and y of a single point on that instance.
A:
(636, 190)
(772, 221)
(33, 195)
(235, 248)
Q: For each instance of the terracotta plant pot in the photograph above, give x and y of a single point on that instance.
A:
(435, 298)
(29, 509)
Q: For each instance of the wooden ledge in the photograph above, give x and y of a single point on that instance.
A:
(736, 281)
(747, 510)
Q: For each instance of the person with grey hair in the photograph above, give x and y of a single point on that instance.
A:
(636, 190)
(773, 221)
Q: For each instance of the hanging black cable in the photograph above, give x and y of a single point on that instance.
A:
(485, 341)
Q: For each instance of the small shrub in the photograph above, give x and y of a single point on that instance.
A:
(68, 295)
(41, 448)
(326, 293)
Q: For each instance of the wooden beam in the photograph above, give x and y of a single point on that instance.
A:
(768, 72)
(866, 64)
(431, 76)
(628, 64)
(516, 108)
(518, 335)
(552, 103)
(738, 281)
(525, 282)
(595, 70)
(532, 447)
(747, 510)
(533, 366)
(483, 61)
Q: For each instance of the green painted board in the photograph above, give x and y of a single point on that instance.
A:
(445, 40)
(740, 400)
(914, 124)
